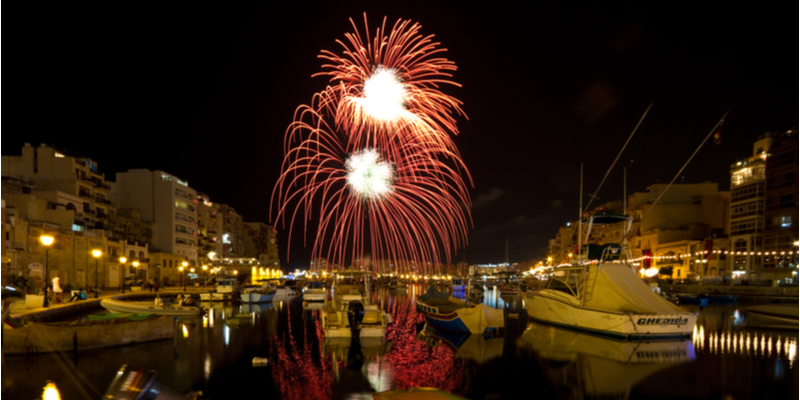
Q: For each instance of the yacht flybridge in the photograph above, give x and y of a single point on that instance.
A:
(348, 312)
(605, 296)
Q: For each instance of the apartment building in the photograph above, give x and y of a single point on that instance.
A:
(166, 201)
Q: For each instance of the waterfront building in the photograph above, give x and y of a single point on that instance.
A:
(781, 209)
(209, 230)
(261, 242)
(671, 232)
(166, 201)
(748, 189)
(232, 232)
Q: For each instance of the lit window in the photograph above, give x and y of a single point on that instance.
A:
(59, 155)
(786, 221)
(77, 228)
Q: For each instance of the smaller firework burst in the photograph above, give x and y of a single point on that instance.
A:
(368, 176)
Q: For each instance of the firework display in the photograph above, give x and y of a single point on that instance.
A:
(371, 160)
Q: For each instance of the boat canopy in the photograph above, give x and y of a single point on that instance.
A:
(605, 219)
(616, 287)
(596, 251)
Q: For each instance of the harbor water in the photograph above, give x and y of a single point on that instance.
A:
(727, 357)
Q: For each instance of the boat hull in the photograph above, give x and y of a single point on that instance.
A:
(607, 323)
(255, 297)
(134, 307)
(314, 295)
(44, 338)
(216, 296)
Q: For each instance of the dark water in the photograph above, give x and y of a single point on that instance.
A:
(725, 359)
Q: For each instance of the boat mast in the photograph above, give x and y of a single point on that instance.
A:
(580, 217)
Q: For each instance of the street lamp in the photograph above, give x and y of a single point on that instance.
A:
(96, 253)
(123, 260)
(136, 265)
(47, 241)
(182, 281)
(205, 276)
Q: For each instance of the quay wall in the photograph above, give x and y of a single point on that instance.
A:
(743, 291)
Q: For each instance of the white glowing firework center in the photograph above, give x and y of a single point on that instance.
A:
(384, 95)
(368, 176)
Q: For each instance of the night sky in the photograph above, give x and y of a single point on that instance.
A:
(206, 94)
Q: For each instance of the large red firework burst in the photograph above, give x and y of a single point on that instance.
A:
(389, 85)
(382, 177)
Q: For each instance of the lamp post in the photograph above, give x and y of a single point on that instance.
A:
(136, 265)
(205, 276)
(47, 241)
(180, 269)
(96, 253)
(184, 265)
(123, 260)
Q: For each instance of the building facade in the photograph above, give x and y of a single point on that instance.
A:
(166, 201)
(781, 213)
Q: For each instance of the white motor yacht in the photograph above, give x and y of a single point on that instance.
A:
(226, 287)
(607, 297)
(314, 291)
(348, 310)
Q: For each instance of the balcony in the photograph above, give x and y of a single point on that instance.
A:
(85, 194)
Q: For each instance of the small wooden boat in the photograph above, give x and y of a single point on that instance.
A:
(36, 337)
(225, 290)
(146, 307)
(782, 315)
(688, 299)
(447, 312)
(314, 291)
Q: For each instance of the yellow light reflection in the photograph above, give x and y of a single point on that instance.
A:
(51, 392)
(185, 332)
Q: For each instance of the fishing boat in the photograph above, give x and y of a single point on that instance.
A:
(348, 312)
(780, 315)
(447, 312)
(147, 307)
(605, 296)
(226, 288)
(694, 300)
(264, 294)
(458, 284)
(509, 289)
(398, 285)
(314, 291)
(591, 366)
(100, 332)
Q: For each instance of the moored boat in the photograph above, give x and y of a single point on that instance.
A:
(226, 288)
(782, 315)
(147, 307)
(607, 298)
(37, 337)
(447, 312)
(257, 296)
(348, 311)
(314, 291)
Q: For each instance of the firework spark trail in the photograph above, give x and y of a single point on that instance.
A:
(384, 178)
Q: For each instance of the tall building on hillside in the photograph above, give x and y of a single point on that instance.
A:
(748, 188)
(781, 215)
(261, 242)
(670, 234)
(166, 201)
(210, 229)
(63, 171)
(232, 232)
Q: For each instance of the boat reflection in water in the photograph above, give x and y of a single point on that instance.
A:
(584, 365)
(475, 347)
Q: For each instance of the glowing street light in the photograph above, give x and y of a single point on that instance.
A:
(96, 253)
(123, 260)
(47, 241)
(205, 276)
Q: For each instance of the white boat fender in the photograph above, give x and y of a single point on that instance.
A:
(260, 361)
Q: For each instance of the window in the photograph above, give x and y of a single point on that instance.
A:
(132, 255)
(75, 228)
(166, 177)
(786, 221)
(226, 238)
(141, 254)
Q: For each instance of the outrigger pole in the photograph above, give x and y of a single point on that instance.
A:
(714, 129)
